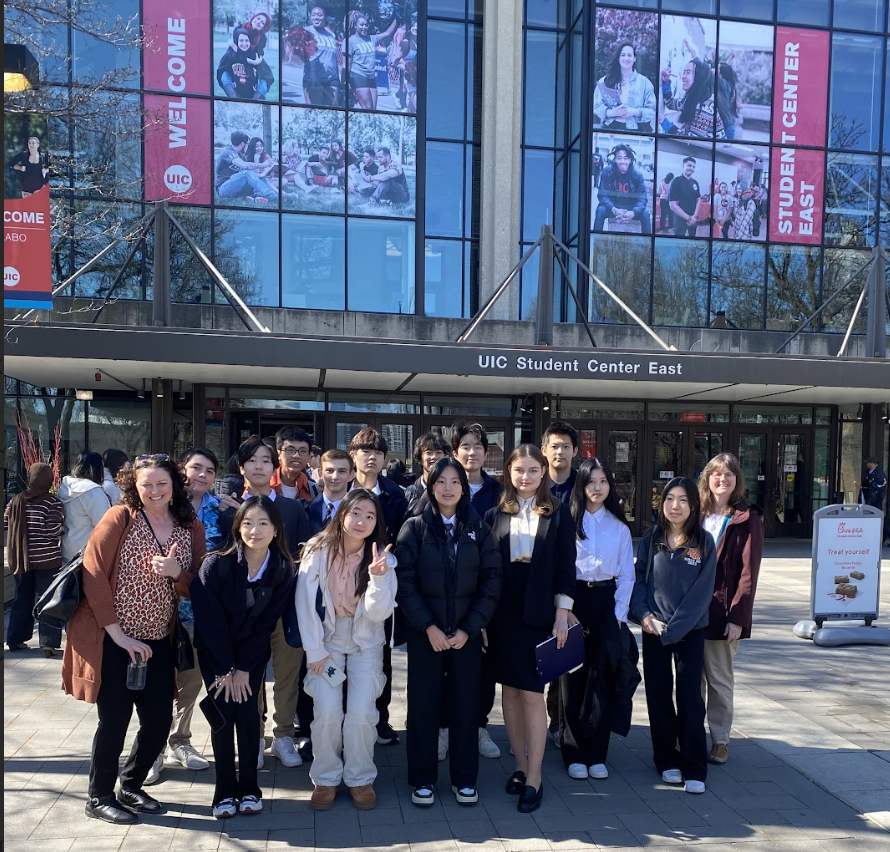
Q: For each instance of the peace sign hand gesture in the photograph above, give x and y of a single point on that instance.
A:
(379, 563)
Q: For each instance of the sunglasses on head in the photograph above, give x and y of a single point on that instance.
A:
(162, 457)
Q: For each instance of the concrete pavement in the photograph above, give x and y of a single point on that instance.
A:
(809, 769)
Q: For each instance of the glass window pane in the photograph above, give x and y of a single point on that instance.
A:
(249, 132)
(542, 13)
(794, 282)
(859, 15)
(757, 10)
(113, 60)
(575, 92)
(444, 189)
(737, 285)
(813, 12)
(474, 85)
(844, 267)
(698, 412)
(625, 265)
(394, 141)
(851, 196)
(380, 402)
(314, 262)
(745, 80)
(246, 252)
(443, 278)
(381, 266)
(797, 415)
(539, 114)
(108, 146)
(680, 283)
(537, 201)
(123, 424)
(472, 189)
(471, 278)
(707, 7)
(855, 103)
(95, 226)
(578, 409)
(528, 298)
(48, 43)
(447, 8)
(445, 80)
(189, 281)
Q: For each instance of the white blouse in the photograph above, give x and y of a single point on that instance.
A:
(523, 529)
(607, 552)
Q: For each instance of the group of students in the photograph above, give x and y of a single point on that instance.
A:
(471, 573)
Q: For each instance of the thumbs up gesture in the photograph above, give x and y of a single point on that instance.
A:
(166, 566)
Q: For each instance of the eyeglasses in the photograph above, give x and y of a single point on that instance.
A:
(290, 452)
(154, 457)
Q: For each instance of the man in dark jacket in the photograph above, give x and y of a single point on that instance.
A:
(874, 485)
(428, 449)
(622, 192)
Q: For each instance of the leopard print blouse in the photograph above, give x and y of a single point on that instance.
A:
(143, 600)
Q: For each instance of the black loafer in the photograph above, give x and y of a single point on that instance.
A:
(530, 800)
(106, 809)
(516, 784)
(139, 801)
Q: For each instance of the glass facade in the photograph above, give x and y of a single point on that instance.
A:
(729, 157)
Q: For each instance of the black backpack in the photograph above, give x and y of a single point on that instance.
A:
(58, 602)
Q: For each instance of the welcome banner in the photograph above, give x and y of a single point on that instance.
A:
(27, 269)
(177, 50)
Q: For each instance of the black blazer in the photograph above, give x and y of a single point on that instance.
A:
(296, 524)
(552, 569)
(316, 512)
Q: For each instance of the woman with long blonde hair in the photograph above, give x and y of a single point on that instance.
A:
(536, 536)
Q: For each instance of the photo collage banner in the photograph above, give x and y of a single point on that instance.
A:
(314, 104)
(707, 129)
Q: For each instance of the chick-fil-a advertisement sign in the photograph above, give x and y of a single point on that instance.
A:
(177, 46)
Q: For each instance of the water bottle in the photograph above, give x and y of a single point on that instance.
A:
(136, 674)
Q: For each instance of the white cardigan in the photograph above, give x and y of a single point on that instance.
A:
(374, 607)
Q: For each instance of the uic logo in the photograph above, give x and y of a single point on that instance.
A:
(178, 179)
(11, 276)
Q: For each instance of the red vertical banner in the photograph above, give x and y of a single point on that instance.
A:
(800, 87)
(178, 142)
(796, 193)
(588, 443)
(27, 268)
(177, 49)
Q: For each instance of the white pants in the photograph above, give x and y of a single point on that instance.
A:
(343, 747)
(717, 684)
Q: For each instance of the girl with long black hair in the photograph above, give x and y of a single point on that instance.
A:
(698, 116)
(604, 580)
(624, 99)
(674, 585)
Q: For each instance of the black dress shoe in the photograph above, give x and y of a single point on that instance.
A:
(516, 784)
(140, 801)
(106, 809)
(530, 800)
(17, 646)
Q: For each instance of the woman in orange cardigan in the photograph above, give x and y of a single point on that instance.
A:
(140, 557)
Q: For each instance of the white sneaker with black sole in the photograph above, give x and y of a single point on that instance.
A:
(487, 746)
(465, 795)
(423, 796)
(188, 756)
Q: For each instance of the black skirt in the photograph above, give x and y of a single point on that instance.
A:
(512, 643)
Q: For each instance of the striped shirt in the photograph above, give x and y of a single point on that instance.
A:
(44, 530)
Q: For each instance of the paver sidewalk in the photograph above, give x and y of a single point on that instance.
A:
(810, 757)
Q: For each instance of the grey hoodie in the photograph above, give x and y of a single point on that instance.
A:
(85, 503)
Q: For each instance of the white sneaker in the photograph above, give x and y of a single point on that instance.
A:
(154, 774)
(225, 808)
(188, 756)
(487, 746)
(443, 745)
(251, 804)
(286, 751)
(260, 761)
(577, 771)
(555, 737)
(599, 771)
(672, 776)
(465, 795)
(695, 786)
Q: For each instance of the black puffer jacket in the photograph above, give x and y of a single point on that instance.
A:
(454, 594)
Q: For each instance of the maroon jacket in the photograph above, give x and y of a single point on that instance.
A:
(739, 552)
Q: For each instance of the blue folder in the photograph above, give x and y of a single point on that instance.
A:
(554, 662)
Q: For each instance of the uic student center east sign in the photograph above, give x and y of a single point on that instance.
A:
(768, 119)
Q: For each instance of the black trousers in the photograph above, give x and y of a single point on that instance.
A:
(487, 688)
(154, 707)
(581, 743)
(244, 723)
(28, 588)
(432, 676)
(685, 724)
(385, 696)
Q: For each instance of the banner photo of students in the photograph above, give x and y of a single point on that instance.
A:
(684, 176)
(246, 49)
(625, 70)
(800, 90)
(27, 267)
(313, 53)
(622, 185)
(797, 196)
(382, 55)
(176, 55)
(740, 197)
(314, 160)
(245, 155)
(745, 80)
(177, 139)
(686, 104)
(381, 170)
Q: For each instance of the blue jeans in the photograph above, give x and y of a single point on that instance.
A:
(603, 213)
(246, 183)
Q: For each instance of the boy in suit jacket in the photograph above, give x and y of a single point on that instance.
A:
(337, 470)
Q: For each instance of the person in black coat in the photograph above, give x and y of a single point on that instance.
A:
(238, 598)
(449, 576)
(536, 536)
